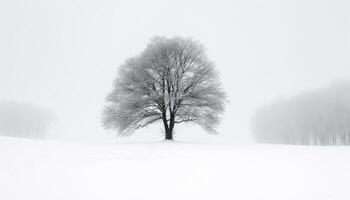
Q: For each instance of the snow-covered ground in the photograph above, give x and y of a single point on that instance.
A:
(50, 170)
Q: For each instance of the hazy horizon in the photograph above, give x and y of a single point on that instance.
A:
(64, 55)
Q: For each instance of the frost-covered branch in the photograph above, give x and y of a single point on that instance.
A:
(171, 81)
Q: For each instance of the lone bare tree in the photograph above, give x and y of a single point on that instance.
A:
(171, 81)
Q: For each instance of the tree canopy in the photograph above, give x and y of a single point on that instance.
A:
(171, 81)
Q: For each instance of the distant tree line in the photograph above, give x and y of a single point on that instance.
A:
(319, 117)
(24, 120)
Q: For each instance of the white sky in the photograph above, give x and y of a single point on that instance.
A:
(64, 54)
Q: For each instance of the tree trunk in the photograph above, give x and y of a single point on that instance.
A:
(168, 134)
(168, 130)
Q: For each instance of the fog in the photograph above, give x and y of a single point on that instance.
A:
(64, 55)
(18, 119)
(315, 117)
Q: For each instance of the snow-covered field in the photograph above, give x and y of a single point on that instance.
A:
(50, 170)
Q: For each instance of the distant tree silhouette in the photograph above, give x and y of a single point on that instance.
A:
(318, 117)
(24, 120)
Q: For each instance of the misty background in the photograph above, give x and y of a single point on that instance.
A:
(315, 117)
(63, 55)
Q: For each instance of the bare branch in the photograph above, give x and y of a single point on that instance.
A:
(171, 80)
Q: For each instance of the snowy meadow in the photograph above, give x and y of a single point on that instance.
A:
(37, 169)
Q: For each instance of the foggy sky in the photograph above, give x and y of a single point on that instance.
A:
(64, 54)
